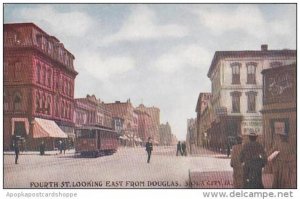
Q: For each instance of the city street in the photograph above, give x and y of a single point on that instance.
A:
(125, 169)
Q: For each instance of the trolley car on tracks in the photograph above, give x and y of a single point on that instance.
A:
(95, 141)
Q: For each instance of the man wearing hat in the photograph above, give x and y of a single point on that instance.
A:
(149, 148)
(236, 164)
(253, 159)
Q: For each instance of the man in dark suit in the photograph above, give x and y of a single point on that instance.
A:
(149, 148)
(17, 151)
(253, 159)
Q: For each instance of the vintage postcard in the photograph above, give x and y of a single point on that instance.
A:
(149, 96)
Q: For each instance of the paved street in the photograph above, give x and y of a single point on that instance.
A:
(126, 168)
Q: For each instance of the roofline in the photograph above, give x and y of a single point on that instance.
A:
(258, 53)
(37, 27)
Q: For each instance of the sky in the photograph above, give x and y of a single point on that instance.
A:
(156, 54)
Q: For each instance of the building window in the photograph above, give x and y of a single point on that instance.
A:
(251, 95)
(62, 109)
(44, 104)
(17, 100)
(236, 101)
(56, 104)
(38, 73)
(48, 105)
(6, 71)
(236, 73)
(17, 70)
(251, 71)
(44, 75)
(49, 78)
(37, 102)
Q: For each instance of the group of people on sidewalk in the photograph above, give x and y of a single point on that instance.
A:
(250, 158)
(62, 146)
(181, 149)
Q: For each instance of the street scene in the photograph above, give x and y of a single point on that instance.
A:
(149, 96)
(165, 170)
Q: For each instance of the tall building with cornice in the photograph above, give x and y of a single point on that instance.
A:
(39, 78)
(236, 81)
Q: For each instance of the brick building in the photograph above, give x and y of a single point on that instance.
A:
(144, 123)
(203, 101)
(91, 111)
(39, 80)
(124, 112)
(154, 113)
(165, 134)
(237, 91)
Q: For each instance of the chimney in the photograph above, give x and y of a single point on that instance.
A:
(264, 47)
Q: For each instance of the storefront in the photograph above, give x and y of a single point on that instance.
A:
(279, 110)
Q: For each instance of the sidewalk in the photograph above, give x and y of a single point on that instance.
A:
(54, 152)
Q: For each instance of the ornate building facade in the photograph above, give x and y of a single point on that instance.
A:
(39, 80)
(237, 90)
(91, 111)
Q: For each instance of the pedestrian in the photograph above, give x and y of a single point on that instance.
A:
(60, 146)
(183, 146)
(17, 151)
(228, 150)
(42, 148)
(284, 164)
(179, 148)
(63, 146)
(149, 148)
(236, 164)
(253, 159)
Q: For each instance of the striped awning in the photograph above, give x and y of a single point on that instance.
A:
(47, 128)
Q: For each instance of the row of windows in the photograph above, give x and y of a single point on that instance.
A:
(251, 101)
(43, 75)
(13, 70)
(251, 71)
(64, 85)
(43, 104)
(17, 101)
(55, 50)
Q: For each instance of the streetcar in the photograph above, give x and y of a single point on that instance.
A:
(95, 141)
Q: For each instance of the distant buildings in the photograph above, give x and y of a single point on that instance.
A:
(90, 111)
(234, 108)
(38, 82)
(202, 105)
(165, 133)
(123, 112)
(191, 136)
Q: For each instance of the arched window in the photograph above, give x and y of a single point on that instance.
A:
(17, 101)
(44, 75)
(37, 103)
(62, 109)
(44, 104)
(18, 70)
(251, 71)
(49, 78)
(235, 95)
(48, 105)
(38, 73)
(56, 104)
(236, 72)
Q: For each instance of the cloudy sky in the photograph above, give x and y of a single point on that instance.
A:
(157, 54)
